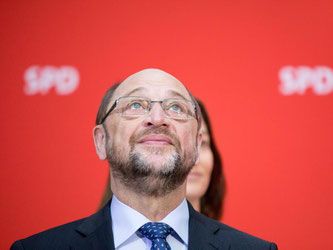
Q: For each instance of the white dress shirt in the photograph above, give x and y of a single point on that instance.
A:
(126, 221)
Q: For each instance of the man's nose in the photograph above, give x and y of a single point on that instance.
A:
(157, 116)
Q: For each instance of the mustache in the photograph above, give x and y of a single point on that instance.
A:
(159, 130)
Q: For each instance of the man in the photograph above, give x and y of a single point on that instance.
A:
(148, 130)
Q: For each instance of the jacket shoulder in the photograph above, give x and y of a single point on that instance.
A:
(94, 230)
(243, 240)
(233, 238)
(55, 238)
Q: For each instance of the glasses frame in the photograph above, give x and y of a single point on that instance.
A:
(115, 104)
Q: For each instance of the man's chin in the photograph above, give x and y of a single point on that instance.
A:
(159, 162)
(157, 158)
(154, 149)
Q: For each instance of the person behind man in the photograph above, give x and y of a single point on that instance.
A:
(149, 133)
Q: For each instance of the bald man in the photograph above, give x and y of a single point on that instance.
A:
(148, 130)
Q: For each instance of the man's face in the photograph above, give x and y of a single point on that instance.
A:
(152, 154)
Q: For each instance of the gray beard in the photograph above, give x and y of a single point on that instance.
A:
(142, 178)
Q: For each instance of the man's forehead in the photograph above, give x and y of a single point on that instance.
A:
(151, 81)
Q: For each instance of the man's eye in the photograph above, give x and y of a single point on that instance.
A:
(175, 107)
(136, 105)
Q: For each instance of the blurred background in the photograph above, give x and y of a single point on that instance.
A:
(264, 69)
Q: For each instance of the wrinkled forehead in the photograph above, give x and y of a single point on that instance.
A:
(152, 83)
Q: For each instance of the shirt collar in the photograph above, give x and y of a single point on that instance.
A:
(178, 219)
(126, 221)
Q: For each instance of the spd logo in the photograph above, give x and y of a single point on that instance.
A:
(296, 80)
(40, 80)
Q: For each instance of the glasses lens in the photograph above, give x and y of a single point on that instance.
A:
(179, 108)
(133, 106)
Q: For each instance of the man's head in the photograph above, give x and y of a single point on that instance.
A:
(149, 152)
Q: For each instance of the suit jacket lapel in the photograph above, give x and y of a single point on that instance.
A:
(202, 233)
(96, 231)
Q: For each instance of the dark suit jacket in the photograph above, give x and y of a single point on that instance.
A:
(95, 232)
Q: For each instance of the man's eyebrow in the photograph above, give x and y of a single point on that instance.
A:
(171, 92)
(134, 90)
(175, 93)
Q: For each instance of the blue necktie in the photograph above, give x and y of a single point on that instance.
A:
(157, 233)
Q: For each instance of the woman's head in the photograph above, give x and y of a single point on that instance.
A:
(199, 178)
(206, 183)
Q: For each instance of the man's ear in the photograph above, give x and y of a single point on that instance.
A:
(100, 141)
(199, 141)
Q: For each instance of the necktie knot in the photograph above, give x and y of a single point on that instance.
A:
(157, 233)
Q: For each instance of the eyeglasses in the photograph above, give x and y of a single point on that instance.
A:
(136, 106)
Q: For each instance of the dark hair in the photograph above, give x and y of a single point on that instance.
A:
(211, 203)
(105, 102)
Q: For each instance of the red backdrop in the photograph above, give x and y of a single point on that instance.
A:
(264, 70)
